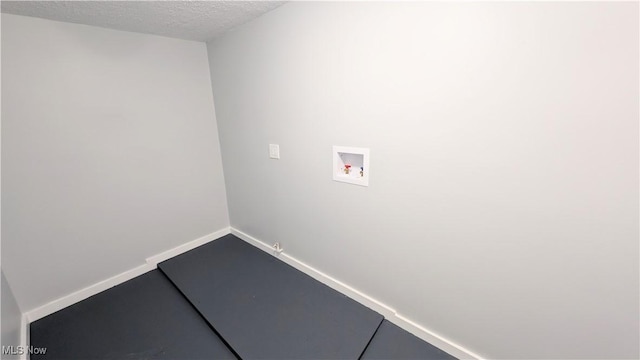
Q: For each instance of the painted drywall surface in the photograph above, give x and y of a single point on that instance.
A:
(110, 153)
(502, 211)
(11, 317)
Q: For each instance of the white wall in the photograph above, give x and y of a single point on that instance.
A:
(502, 211)
(110, 153)
(11, 317)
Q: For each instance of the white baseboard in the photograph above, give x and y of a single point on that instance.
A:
(24, 335)
(67, 300)
(156, 259)
(388, 312)
(150, 264)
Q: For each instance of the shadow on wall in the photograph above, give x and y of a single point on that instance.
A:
(11, 320)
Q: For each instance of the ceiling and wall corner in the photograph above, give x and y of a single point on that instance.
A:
(189, 20)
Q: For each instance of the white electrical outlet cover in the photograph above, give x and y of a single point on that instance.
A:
(274, 151)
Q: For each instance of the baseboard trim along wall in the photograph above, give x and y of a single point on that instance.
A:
(24, 335)
(150, 264)
(388, 312)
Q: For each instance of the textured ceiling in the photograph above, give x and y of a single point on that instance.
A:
(192, 20)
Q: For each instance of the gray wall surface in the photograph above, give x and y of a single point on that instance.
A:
(502, 211)
(11, 317)
(110, 153)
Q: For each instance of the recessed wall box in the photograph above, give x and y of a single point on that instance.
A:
(351, 165)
